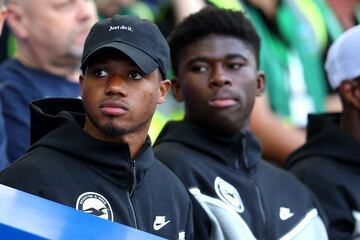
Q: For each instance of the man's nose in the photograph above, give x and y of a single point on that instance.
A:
(86, 10)
(116, 85)
(219, 77)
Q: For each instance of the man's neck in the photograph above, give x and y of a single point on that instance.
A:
(135, 142)
(70, 71)
(135, 139)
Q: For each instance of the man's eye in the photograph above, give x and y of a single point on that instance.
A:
(235, 66)
(198, 69)
(63, 4)
(135, 75)
(101, 73)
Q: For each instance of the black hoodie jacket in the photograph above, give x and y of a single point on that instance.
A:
(329, 163)
(243, 196)
(68, 166)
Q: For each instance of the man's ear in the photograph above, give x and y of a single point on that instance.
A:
(81, 82)
(350, 92)
(16, 19)
(163, 90)
(176, 89)
(260, 80)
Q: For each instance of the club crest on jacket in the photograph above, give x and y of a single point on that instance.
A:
(228, 194)
(95, 204)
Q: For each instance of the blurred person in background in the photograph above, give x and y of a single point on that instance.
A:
(3, 155)
(338, 17)
(49, 35)
(329, 162)
(294, 37)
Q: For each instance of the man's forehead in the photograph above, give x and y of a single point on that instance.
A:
(30, 5)
(218, 45)
(108, 55)
(216, 55)
(37, 3)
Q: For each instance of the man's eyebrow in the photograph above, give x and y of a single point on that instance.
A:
(227, 57)
(237, 55)
(198, 59)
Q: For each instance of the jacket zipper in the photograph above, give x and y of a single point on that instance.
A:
(261, 207)
(258, 193)
(131, 191)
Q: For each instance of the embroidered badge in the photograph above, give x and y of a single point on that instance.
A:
(95, 204)
(228, 194)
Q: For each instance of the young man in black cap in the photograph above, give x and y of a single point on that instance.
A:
(95, 154)
(329, 162)
(215, 62)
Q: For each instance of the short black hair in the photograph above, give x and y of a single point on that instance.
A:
(211, 20)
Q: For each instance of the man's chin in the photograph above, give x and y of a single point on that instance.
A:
(112, 131)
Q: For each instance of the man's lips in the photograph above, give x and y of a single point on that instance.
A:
(222, 102)
(113, 108)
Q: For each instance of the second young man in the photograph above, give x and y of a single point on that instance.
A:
(215, 62)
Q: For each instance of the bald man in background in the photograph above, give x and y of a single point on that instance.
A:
(49, 35)
(3, 156)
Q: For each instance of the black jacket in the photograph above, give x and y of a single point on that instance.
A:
(243, 196)
(68, 166)
(329, 163)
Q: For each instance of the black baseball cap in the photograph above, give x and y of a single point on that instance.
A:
(141, 40)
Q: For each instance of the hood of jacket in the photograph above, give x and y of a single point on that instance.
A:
(326, 139)
(237, 150)
(58, 124)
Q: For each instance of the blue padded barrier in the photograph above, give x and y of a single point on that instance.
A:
(24, 216)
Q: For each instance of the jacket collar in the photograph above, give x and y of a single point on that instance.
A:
(63, 132)
(239, 150)
(326, 139)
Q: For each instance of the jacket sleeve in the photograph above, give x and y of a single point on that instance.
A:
(4, 161)
(202, 224)
(201, 221)
(24, 177)
(332, 195)
(190, 223)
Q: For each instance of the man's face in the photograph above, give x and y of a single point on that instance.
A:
(118, 99)
(56, 29)
(218, 80)
(349, 91)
